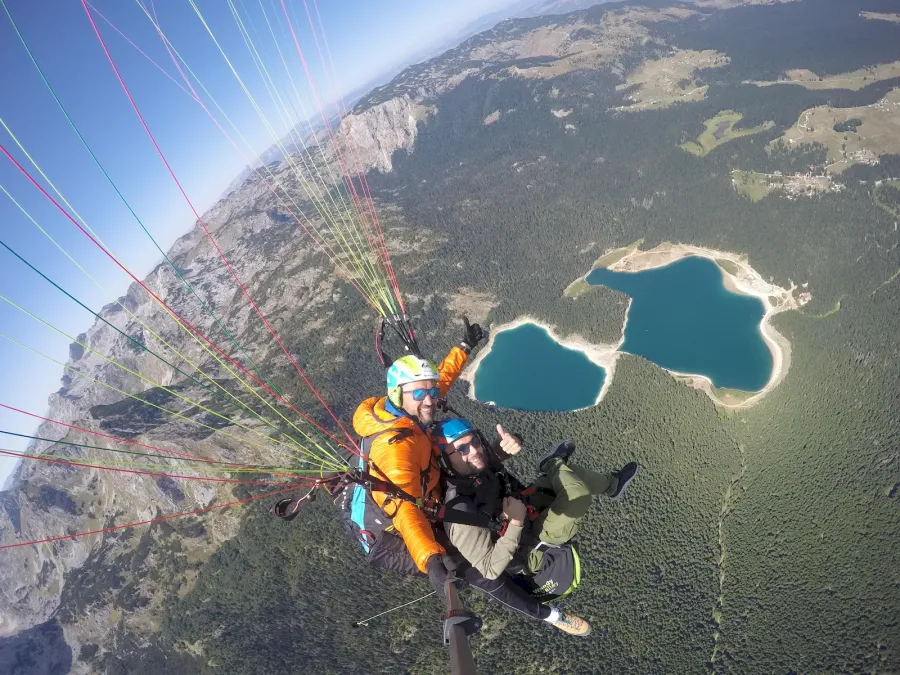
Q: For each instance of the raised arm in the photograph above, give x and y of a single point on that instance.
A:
(450, 368)
(453, 364)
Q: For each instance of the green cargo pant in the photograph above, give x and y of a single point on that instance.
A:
(574, 488)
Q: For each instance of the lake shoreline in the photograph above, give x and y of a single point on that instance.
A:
(741, 279)
(602, 355)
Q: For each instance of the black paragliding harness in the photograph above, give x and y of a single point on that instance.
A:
(435, 511)
(337, 485)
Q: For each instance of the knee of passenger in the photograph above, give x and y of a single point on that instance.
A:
(577, 503)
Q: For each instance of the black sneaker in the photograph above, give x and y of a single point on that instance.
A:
(625, 475)
(563, 450)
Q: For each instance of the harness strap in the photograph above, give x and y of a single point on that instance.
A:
(453, 516)
(435, 512)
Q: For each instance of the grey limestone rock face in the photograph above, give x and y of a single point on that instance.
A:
(372, 137)
(49, 500)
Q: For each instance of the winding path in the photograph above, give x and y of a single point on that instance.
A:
(727, 507)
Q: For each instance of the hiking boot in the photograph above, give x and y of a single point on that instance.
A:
(625, 475)
(573, 625)
(563, 451)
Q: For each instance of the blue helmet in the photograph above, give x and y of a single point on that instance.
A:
(449, 430)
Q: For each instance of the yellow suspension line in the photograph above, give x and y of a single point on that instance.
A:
(162, 340)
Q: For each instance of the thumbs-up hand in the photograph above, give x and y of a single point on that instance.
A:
(509, 443)
(473, 337)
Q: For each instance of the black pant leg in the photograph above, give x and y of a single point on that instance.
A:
(505, 591)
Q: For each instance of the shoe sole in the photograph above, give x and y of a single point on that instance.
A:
(553, 454)
(585, 634)
(623, 488)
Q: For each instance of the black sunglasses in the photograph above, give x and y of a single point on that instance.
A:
(466, 448)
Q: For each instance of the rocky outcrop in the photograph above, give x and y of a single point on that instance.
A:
(369, 138)
(283, 273)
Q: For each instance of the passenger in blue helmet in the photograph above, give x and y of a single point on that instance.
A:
(539, 520)
(455, 427)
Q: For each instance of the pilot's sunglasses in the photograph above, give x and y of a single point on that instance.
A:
(466, 448)
(422, 394)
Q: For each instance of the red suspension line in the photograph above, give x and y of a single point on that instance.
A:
(389, 267)
(140, 472)
(203, 225)
(348, 180)
(135, 443)
(184, 321)
(160, 519)
(194, 95)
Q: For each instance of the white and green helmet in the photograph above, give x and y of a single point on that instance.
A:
(405, 370)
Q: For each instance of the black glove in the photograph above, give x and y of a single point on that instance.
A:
(455, 563)
(473, 337)
(437, 576)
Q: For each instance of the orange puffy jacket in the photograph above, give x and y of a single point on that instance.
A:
(409, 463)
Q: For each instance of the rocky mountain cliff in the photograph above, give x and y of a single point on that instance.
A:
(48, 500)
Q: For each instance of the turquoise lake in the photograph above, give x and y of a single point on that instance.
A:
(681, 318)
(526, 369)
(684, 319)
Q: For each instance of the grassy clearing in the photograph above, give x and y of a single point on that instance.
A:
(720, 129)
(881, 16)
(854, 80)
(659, 83)
(729, 266)
(755, 186)
(878, 133)
(830, 312)
(576, 288)
(732, 396)
(613, 257)
(751, 184)
(894, 184)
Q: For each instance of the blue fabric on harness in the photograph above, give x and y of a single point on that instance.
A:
(358, 507)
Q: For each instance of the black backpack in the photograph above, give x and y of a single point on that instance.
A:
(370, 525)
(359, 512)
(559, 575)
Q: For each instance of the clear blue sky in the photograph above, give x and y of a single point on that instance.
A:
(367, 40)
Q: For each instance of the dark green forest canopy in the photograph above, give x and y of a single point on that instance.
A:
(757, 542)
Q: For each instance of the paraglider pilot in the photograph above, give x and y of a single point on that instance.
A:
(401, 452)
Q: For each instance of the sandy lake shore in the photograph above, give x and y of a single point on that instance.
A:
(602, 355)
(738, 277)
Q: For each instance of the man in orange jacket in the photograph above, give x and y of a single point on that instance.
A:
(402, 451)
